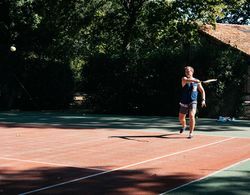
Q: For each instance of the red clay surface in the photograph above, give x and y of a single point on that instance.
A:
(105, 161)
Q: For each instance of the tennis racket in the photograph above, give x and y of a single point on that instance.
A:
(209, 81)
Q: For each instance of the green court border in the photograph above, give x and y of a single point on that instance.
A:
(238, 128)
(234, 179)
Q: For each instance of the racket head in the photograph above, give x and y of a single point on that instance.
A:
(209, 81)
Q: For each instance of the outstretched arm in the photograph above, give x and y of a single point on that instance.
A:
(185, 80)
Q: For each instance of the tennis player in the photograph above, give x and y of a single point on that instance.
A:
(188, 102)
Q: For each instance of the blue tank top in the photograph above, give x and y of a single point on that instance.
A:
(189, 93)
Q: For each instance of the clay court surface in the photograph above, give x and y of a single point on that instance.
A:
(96, 154)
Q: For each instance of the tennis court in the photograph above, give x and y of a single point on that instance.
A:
(65, 153)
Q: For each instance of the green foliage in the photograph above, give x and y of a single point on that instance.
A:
(127, 55)
(236, 12)
(38, 68)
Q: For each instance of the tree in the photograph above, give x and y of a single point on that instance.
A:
(237, 12)
(118, 49)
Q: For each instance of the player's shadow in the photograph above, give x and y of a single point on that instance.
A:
(143, 137)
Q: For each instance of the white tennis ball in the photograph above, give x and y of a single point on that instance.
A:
(12, 48)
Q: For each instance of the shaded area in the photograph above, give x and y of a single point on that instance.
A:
(82, 121)
(13, 182)
(143, 137)
(230, 181)
(69, 120)
(121, 181)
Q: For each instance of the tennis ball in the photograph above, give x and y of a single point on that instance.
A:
(12, 48)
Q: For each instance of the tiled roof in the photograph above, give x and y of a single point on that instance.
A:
(237, 36)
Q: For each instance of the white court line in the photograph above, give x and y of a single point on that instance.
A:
(124, 167)
(202, 178)
(48, 163)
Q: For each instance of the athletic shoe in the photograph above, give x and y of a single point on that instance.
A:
(190, 136)
(182, 129)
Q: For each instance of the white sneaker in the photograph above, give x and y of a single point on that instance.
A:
(190, 136)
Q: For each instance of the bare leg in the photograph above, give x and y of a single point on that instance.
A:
(182, 119)
(191, 121)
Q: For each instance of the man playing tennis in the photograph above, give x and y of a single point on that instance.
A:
(188, 102)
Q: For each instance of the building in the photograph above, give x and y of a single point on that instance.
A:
(238, 37)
